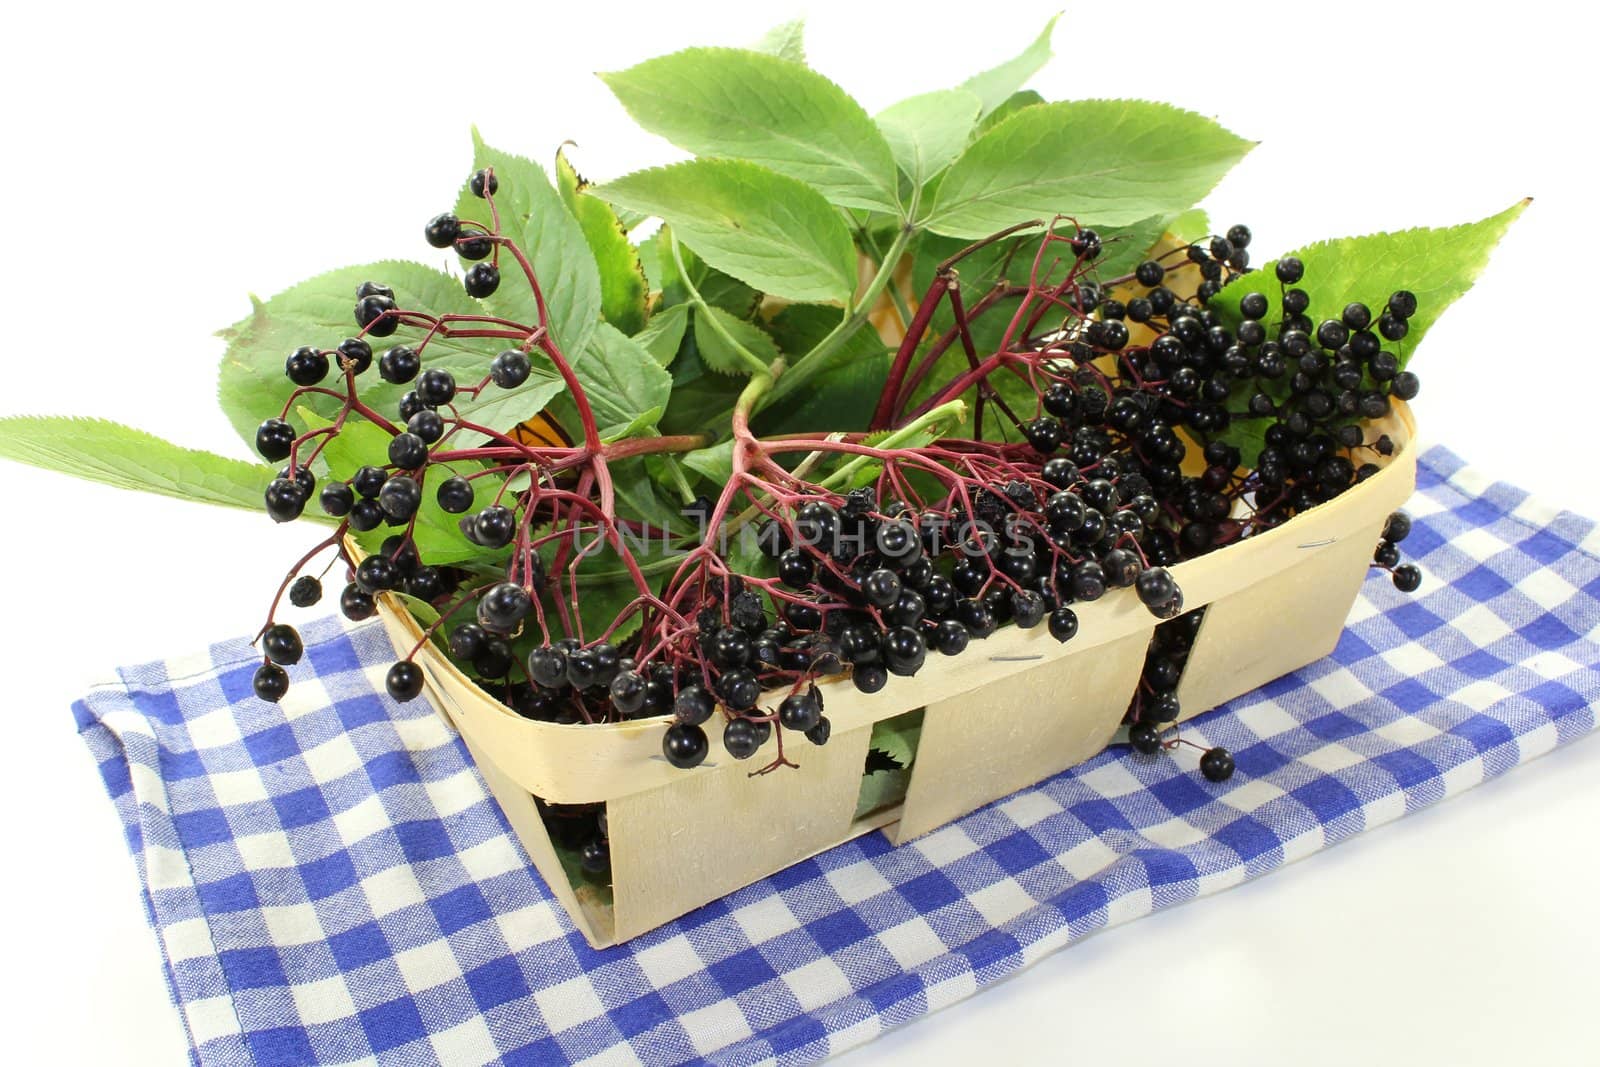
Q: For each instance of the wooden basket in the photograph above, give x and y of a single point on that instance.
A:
(1010, 711)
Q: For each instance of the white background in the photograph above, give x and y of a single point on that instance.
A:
(163, 163)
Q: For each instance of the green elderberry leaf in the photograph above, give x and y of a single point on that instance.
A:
(998, 86)
(786, 41)
(663, 334)
(715, 287)
(841, 397)
(1014, 103)
(712, 329)
(1104, 162)
(770, 231)
(715, 463)
(532, 214)
(121, 456)
(1438, 265)
(623, 381)
(320, 311)
(927, 132)
(770, 111)
(623, 291)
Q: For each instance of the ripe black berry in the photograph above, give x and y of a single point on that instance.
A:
(739, 689)
(306, 366)
(400, 496)
(442, 230)
(881, 587)
(510, 368)
(404, 681)
(741, 738)
(1407, 578)
(483, 183)
(281, 643)
(799, 711)
(503, 606)
(795, 569)
(436, 387)
(1290, 270)
(482, 280)
(1044, 434)
(1156, 587)
(408, 451)
(373, 314)
(271, 682)
(1063, 624)
(627, 692)
(1253, 305)
(869, 677)
(1150, 273)
(474, 246)
(1397, 527)
(693, 705)
(1145, 738)
(356, 603)
(1402, 304)
(1216, 764)
(820, 731)
(275, 439)
(354, 355)
(285, 500)
(399, 364)
(305, 591)
(685, 745)
(454, 495)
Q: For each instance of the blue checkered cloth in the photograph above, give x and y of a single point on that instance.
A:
(330, 880)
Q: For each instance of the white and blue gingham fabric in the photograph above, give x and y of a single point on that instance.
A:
(330, 880)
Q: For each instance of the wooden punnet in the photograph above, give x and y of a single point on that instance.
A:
(1010, 711)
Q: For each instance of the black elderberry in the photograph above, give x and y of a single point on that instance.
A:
(474, 246)
(454, 495)
(483, 183)
(977, 617)
(426, 424)
(627, 692)
(354, 355)
(305, 591)
(799, 711)
(408, 451)
(356, 603)
(306, 366)
(400, 496)
(275, 439)
(482, 280)
(547, 666)
(881, 587)
(739, 689)
(903, 651)
(494, 660)
(1397, 527)
(366, 515)
(1402, 304)
(1027, 608)
(1407, 578)
(270, 682)
(1145, 738)
(399, 364)
(1150, 273)
(495, 526)
(1253, 305)
(436, 387)
(282, 646)
(595, 857)
(741, 738)
(1386, 555)
(820, 731)
(1043, 434)
(374, 314)
(1290, 270)
(1216, 764)
(908, 609)
(1405, 385)
(442, 230)
(951, 638)
(510, 368)
(685, 745)
(503, 607)
(404, 681)
(869, 677)
(285, 499)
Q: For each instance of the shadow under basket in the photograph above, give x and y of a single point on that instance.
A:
(1011, 710)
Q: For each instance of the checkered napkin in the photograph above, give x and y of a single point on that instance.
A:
(330, 880)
